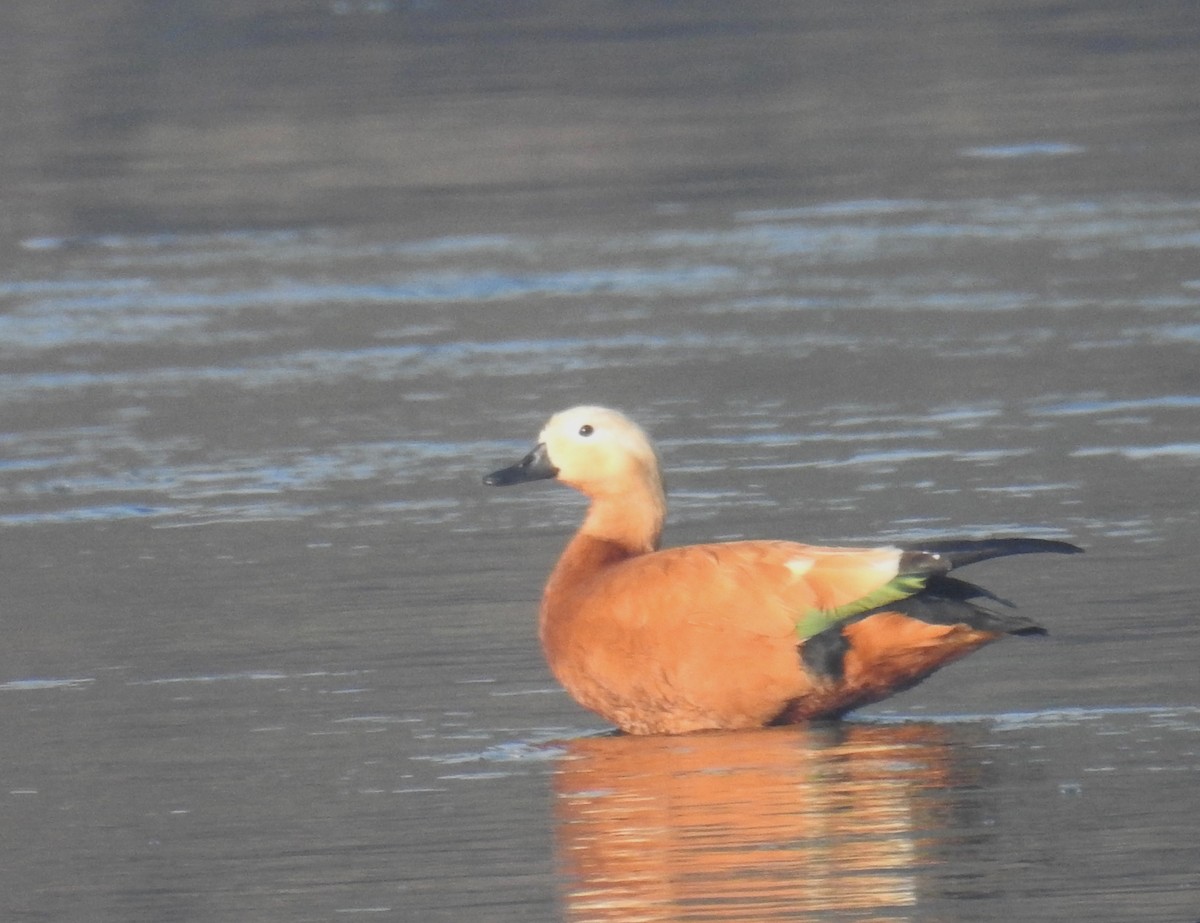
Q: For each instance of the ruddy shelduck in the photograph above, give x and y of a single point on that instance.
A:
(737, 634)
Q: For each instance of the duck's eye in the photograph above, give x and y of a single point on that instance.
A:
(586, 429)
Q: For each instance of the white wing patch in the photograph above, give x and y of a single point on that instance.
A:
(799, 566)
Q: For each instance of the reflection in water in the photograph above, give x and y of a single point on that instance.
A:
(758, 825)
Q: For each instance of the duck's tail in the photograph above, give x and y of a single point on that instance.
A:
(941, 556)
(894, 646)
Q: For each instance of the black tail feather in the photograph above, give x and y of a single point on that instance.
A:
(947, 601)
(952, 588)
(943, 555)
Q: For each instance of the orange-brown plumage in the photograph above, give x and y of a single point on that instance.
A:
(737, 634)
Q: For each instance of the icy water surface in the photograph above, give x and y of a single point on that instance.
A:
(270, 649)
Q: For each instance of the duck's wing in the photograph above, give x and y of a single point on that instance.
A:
(787, 588)
(776, 589)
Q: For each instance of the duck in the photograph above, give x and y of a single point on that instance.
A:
(738, 634)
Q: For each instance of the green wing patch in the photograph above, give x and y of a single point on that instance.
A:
(815, 621)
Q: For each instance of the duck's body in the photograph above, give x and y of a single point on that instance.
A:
(737, 634)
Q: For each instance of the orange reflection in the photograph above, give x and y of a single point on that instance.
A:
(755, 825)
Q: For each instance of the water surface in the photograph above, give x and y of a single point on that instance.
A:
(280, 284)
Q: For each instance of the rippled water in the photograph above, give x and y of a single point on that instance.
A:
(269, 644)
(803, 305)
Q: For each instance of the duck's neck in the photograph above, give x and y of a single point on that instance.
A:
(631, 519)
(617, 526)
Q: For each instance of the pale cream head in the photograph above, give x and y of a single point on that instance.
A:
(600, 451)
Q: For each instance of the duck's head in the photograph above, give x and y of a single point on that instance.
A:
(594, 449)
